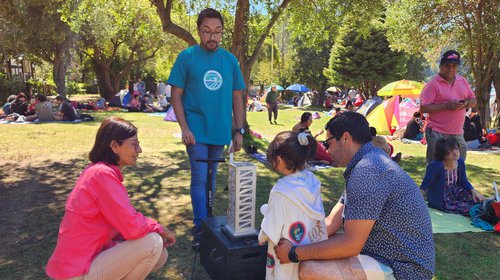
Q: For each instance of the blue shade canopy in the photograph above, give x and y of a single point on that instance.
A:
(298, 87)
(278, 88)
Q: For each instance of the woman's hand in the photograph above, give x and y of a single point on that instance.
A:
(476, 196)
(168, 238)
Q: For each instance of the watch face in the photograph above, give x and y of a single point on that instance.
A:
(242, 131)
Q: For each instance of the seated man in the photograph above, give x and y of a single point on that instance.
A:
(386, 223)
(66, 111)
(414, 127)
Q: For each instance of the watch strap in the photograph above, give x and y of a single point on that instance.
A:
(292, 256)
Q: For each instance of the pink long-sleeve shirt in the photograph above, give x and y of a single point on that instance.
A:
(98, 211)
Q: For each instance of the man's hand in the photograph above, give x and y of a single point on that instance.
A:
(188, 137)
(282, 250)
(455, 105)
(237, 142)
(168, 238)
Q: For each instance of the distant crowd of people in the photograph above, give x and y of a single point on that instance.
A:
(19, 108)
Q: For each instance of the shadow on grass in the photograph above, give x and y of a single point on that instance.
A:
(32, 198)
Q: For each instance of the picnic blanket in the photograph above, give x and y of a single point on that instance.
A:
(313, 167)
(450, 223)
(157, 114)
(38, 122)
(490, 150)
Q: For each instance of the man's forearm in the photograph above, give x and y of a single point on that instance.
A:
(431, 108)
(179, 110)
(471, 103)
(336, 247)
(238, 108)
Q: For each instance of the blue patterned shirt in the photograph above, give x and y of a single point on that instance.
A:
(378, 189)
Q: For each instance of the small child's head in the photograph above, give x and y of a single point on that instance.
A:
(447, 148)
(286, 151)
(306, 118)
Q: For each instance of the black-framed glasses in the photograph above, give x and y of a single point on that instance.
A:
(216, 34)
(325, 143)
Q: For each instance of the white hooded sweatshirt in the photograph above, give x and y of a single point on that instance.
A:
(295, 212)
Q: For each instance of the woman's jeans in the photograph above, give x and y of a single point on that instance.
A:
(199, 180)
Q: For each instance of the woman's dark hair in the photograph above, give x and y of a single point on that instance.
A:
(287, 146)
(305, 117)
(112, 128)
(209, 13)
(373, 131)
(352, 122)
(444, 146)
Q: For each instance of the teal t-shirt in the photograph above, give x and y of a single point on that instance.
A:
(208, 79)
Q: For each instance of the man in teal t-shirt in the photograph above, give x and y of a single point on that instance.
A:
(207, 89)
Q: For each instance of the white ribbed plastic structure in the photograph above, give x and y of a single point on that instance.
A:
(241, 210)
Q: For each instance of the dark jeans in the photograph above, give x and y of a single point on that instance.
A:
(273, 108)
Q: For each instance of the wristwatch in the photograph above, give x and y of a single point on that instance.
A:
(240, 130)
(292, 256)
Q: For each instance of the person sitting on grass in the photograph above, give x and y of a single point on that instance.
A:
(146, 105)
(295, 209)
(134, 105)
(66, 110)
(445, 183)
(6, 106)
(322, 156)
(20, 105)
(381, 142)
(102, 236)
(414, 128)
(43, 110)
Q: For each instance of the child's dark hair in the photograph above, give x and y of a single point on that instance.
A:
(286, 145)
(444, 146)
(305, 117)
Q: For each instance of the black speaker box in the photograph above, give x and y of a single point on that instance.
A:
(223, 259)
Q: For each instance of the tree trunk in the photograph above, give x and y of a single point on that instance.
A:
(104, 81)
(496, 83)
(59, 71)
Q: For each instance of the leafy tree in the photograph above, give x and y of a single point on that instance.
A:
(116, 35)
(364, 62)
(240, 36)
(36, 27)
(472, 26)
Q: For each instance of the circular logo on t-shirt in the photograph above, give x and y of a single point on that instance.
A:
(270, 261)
(297, 232)
(212, 80)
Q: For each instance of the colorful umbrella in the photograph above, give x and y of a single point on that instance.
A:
(298, 87)
(278, 88)
(334, 89)
(405, 88)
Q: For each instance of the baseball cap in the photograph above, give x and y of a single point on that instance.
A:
(450, 56)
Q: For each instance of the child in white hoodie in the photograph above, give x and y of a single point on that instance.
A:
(295, 208)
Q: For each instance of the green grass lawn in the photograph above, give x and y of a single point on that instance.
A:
(39, 165)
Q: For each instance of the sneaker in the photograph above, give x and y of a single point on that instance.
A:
(275, 122)
(271, 122)
(195, 243)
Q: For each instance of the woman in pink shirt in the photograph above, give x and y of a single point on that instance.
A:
(101, 235)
